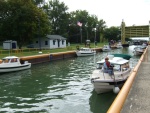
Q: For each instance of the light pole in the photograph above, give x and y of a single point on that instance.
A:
(69, 35)
(95, 43)
(94, 29)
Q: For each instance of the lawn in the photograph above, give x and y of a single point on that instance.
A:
(35, 51)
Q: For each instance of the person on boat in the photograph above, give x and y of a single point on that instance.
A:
(108, 68)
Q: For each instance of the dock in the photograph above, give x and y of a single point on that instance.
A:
(134, 95)
(138, 100)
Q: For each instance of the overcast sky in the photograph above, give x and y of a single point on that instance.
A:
(133, 12)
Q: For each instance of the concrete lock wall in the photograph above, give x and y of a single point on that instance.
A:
(48, 57)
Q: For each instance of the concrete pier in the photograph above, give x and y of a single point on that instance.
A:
(138, 99)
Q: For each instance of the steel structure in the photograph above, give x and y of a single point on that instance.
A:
(134, 31)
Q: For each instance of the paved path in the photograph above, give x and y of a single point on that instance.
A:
(138, 100)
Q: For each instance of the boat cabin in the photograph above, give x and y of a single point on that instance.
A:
(10, 59)
(119, 64)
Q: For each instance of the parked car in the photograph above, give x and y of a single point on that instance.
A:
(30, 46)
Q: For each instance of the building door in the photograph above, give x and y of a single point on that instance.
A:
(13, 45)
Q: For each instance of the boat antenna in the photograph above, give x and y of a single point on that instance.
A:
(94, 29)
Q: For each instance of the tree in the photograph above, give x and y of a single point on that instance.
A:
(101, 28)
(89, 22)
(37, 2)
(58, 17)
(112, 33)
(21, 20)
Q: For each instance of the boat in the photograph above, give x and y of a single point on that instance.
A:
(119, 45)
(103, 82)
(144, 45)
(138, 50)
(13, 63)
(85, 52)
(106, 48)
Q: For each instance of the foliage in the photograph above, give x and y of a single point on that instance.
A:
(58, 17)
(22, 21)
(88, 23)
(37, 2)
(35, 51)
(112, 33)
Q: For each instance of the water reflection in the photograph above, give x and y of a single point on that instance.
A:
(100, 103)
(55, 87)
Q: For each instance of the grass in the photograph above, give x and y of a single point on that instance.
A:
(35, 51)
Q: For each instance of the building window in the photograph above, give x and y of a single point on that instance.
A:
(53, 42)
(46, 42)
(62, 42)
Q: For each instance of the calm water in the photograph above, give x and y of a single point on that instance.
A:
(56, 87)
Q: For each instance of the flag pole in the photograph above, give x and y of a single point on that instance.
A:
(81, 33)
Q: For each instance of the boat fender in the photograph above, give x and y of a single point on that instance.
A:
(51, 56)
(116, 89)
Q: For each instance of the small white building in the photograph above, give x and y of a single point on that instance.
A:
(50, 42)
(10, 44)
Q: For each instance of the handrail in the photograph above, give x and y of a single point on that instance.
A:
(121, 97)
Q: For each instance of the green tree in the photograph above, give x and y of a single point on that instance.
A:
(37, 2)
(112, 33)
(21, 21)
(89, 22)
(101, 27)
(58, 17)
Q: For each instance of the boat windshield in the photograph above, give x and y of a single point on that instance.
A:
(9, 60)
(6, 60)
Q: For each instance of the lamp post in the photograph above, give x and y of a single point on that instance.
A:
(95, 37)
(94, 29)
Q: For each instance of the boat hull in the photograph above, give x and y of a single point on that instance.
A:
(137, 52)
(103, 87)
(85, 54)
(15, 68)
(106, 50)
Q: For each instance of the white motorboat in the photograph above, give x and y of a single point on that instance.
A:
(106, 48)
(103, 82)
(119, 45)
(144, 45)
(85, 52)
(138, 50)
(13, 63)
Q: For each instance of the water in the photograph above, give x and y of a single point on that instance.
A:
(56, 87)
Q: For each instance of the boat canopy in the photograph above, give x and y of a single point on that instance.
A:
(117, 59)
(10, 57)
(125, 56)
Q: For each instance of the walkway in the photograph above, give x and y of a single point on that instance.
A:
(138, 100)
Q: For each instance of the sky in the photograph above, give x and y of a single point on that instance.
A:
(113, 12)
